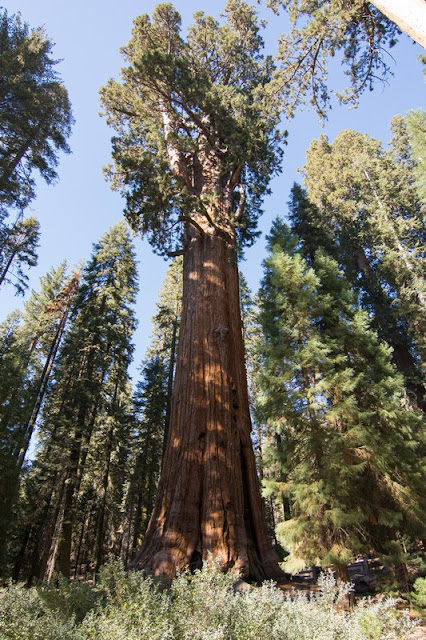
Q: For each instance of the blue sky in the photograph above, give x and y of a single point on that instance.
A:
(77, 210)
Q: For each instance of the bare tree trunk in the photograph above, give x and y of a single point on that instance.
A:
(44, 379)
(209, 499)
(170, 377)
(408, 15)
(100, 528)
(3, 274)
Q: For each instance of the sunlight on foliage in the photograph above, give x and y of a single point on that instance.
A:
(200, 606)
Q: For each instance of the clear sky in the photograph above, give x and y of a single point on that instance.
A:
(77, 210)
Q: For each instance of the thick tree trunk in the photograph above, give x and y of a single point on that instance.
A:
(209, 499)
(408, 15)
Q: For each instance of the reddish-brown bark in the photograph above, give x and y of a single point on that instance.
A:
(209, 501)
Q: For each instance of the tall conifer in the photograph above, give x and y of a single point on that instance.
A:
(345, 441)
(151, 410)
(30, 342)
(81, 411)
(197, 143)
(364, 209)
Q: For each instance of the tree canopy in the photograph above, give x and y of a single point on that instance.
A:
(197, 137)
(35, 111)
(320, 29)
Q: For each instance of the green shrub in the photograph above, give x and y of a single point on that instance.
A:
(204, 606)
(199, 606)
(70, 599)
(24, 616)
(418, 595)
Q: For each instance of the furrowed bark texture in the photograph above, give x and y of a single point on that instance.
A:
(209, 501)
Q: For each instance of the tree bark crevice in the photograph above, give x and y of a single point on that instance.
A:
(209, 502)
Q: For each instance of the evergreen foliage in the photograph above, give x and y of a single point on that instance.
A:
(149, 414)
(362, 205)
(30, 342)
(151, 410)
(187, 108)
(18, 246)
(319, 30)
(346, 446)
(335, 358)
(35, 112)
(416, 127)
(196, 146)
(78, 473)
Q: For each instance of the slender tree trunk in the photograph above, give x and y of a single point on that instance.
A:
(170, 377)
(408, 15)
(22, 551)
(80, 542)
(137, 523)
(8, 264)
(44, 562)
(44, 379)
(125, 541)
(209, 499)
(100, 529)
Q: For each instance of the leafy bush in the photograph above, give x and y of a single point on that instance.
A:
(70, 599)
(24, 616)
(418, 595)
(204, 606)
(199, 606)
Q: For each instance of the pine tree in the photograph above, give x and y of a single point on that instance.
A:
(364, 209)
(196, 145)
(98, 525)
(166, 323)
(362, 32)
(345, 446)
(35, 113)
(30, 342)
(18, 248)
(416, 125)
(149, 425)
(89, 391)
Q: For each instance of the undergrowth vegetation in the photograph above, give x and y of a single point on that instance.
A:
(201, 606)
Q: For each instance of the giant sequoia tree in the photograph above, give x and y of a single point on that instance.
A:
(195, 148)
